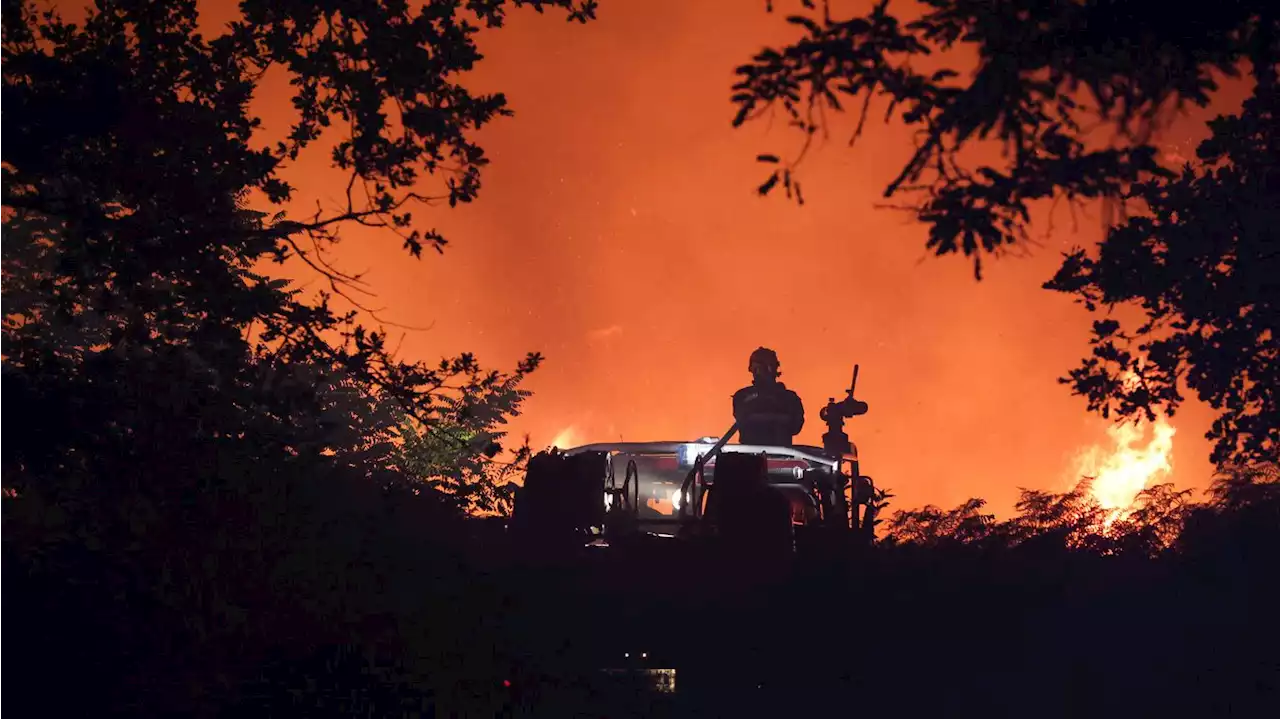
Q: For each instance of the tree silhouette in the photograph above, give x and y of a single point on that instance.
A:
(214, 500)
(1156, 522)
(929, 525)
(1199, 258)
(127, 228)
(205, 472)
(457, 456)
(1048, 72)
(1239, 486)
(1204, 266)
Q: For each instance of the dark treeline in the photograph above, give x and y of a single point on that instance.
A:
(294, 588)
(224, 497)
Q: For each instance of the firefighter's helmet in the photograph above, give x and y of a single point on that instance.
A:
(764, 356)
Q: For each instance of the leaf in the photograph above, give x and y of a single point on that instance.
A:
(768, 184)
(805, 22)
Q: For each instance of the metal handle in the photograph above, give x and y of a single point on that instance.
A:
(698, 464)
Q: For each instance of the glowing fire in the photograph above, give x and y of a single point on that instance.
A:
(568, 437)
(1125, 469)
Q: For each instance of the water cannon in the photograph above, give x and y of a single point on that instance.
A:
(834, 415)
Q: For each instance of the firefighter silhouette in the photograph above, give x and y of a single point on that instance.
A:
(766, 411)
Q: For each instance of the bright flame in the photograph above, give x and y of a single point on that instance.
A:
(1124, 470)
(567, 438)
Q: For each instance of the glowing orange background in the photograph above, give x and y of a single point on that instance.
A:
(618, 233)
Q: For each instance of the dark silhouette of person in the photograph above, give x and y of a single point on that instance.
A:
(766, 411)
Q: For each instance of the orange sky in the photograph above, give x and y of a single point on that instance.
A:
(618, 233)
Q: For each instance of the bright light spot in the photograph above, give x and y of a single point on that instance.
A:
(675, 499)
(689, 453)
(1133, 462)
(608, 502)
(568, 437)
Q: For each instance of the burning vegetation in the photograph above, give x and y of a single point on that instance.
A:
(1141, 456)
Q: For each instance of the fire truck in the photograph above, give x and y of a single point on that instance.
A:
(670, 536)
(709, 489)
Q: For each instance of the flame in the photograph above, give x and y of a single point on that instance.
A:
(1129, 466)
(568, 437)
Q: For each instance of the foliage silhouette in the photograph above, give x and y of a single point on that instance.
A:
(206, 473)
(1204, 266)
(1045, 71)
(1199, 258)
(457, 458)
(1152, 525)
(127, 226)
(214, 505)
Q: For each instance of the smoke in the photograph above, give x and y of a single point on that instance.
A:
(619, 234)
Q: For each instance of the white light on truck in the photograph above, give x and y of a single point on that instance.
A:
(689, 452)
